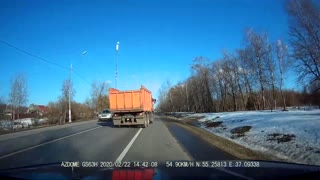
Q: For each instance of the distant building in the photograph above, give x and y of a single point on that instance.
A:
(8, 113)
(6, 110)
(37, 109)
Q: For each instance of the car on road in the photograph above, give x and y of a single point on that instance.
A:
(105, 115)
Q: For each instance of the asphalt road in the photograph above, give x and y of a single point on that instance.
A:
(94, 141)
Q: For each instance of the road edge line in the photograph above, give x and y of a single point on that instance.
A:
(124, 152)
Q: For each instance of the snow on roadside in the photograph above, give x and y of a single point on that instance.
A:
(290, 135)
(20, 123)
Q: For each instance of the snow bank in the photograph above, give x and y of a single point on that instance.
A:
(299, 129)
(20, 123)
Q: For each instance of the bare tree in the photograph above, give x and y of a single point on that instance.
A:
(54, 114)
(164, 99)
(99, 95)
(247, 73)
(248, 79)
(1, 100)
(259, 54)
(187, 95)
(3, 107)
(175, 98)
(66, 90)
(19, 93)
(314, 89)
(272, 77)
(81, 111)
(304, 28)
(220, 74)
(200, 69)
(196, 93)
(284, 64)
(239, 81)
(67, 87)
(1, 97)
(89, 103)
(230, 69)
(214, 88)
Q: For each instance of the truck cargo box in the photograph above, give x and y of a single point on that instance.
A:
(131, 100)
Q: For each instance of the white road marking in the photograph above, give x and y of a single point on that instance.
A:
(18, 134)
(124, 152)
(55, 140)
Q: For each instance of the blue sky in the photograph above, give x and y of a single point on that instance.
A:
(158, 39)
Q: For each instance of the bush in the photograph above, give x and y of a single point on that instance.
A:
(54, 119)
(5, 117)
(35, 122)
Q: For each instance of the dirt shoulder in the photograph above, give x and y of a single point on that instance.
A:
(226, 145)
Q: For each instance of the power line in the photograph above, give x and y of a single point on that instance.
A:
(42, 59)
(35, 56)
(81, 76)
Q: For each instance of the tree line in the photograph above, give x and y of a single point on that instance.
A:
(98, 101)
(254, 76)
(57, 110)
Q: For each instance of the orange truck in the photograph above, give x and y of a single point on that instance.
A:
(131, 107)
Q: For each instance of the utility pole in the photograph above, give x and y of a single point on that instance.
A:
(117, 49)
(70, 82)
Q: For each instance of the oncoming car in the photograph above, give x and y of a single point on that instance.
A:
(105, 115)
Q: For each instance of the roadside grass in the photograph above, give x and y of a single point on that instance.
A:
(281, 138)
(213, 123)
(240, 131)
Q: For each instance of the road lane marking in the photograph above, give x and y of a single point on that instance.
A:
(124, 152)
(55, 140)
(18, 134)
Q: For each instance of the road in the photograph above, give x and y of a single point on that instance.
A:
(95, 141)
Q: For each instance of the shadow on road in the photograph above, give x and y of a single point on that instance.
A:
(110, 124)
(105, 123)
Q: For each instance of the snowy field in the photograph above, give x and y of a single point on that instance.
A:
(292, 135)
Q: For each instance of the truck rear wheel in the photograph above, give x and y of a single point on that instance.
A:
(151, 118)
(146, 122)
